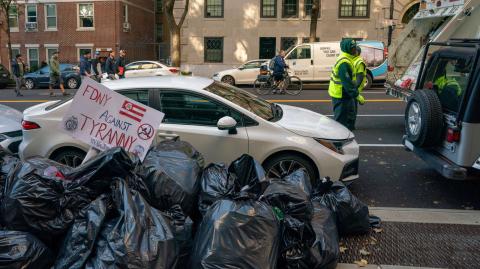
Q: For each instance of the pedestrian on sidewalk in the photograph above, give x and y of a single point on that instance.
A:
(343, 87)
(85, 65)
(18, 70)
(110, 66)
(120, 64)
(56, 75)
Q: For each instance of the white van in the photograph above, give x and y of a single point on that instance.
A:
(313, 62)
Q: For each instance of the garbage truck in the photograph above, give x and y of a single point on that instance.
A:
(441, 86)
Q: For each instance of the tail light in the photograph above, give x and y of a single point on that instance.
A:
(29, 125)
(173, 70)
(453, 135)
(391, 68)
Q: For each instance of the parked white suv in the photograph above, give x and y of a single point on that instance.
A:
(221, 121)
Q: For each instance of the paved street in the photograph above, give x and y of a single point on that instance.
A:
(389, 175)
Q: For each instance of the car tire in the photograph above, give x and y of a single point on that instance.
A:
(369, 82)
(69, 157)
(424, 119)
(72, 83)
(228, 80)
(29, 84)
(272, 165)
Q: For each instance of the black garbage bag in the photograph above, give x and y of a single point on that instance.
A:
(350, 213)
(216, 184)
(7, 164)
(183, 230)
(290, 198)
(172, 171)
(249, 175)
(301, 179)
(136, 236)
(36, 201)
(20, 250)
(237, 234)
(296, 232)
(325, 250)
(96, 174)
(82, 236)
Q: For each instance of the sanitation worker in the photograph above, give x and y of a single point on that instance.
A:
(343, 87)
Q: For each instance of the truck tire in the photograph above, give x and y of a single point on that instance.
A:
(424, 119)
(369, 82)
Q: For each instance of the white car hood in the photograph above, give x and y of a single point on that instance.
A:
(10, 119)
(305, 122)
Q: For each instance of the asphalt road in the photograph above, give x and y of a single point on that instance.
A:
(389, 175)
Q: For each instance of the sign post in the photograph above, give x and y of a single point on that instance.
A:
(104, 119)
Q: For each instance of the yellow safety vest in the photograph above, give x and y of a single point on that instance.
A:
(359, 67)
(335, 86)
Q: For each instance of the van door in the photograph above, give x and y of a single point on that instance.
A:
(325, 58)
(300, 61)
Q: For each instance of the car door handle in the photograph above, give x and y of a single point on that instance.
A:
(168, 136)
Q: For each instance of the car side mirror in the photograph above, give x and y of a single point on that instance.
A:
(227, 123)
(40, 72)
(241, 67)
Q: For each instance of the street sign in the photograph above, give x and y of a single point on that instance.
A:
(104, 119)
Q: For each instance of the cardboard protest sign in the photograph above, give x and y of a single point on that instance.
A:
(104, 119)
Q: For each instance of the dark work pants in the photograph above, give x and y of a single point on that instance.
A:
(345, 111)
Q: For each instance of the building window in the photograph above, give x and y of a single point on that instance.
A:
(33, 59)
(85, 16)
(354, 9)
(125, 13)
(213, 49)
(13, 17)
(267, 47)
(51, 16)
(269, 9)
(287, 42)
(15, 52)
(308, 7)
(214, 9)
(31, 13)
(50, 52)
(307, 39)
(159, 6)
(290, 9)
(82, 51)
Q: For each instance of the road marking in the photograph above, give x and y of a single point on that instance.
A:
(329, 101)
(382, 145)
(24, 101)
(382, 266)
(375, 115)
(427, 215)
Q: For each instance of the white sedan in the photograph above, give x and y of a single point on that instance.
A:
(244, 74)
(221, 121)
(149, 69)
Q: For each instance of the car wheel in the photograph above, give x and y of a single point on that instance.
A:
(29, 84)
(424, 119)
(285, 164)
(70, 157)
(72, 83)
(369, 82)
(228, 80)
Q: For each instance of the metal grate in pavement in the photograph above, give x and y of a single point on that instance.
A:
(417, 244)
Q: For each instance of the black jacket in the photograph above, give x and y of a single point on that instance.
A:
(110, 66)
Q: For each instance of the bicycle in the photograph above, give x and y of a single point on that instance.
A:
(291, 85)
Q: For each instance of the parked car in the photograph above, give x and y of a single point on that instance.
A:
(10, 128)
(244, 74)
(313, 62)
(221, 121)
(4, 77)
(149, 69)
(41, 78)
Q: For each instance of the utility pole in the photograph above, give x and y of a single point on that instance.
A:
(390, 27)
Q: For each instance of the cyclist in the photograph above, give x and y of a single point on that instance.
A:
(279, 67)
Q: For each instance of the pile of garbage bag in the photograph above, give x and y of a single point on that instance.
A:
(170, 211)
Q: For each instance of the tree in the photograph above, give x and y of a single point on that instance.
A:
(5, 7)
(175, 29)
(314, 19)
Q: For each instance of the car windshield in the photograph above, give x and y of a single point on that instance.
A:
(244, 99)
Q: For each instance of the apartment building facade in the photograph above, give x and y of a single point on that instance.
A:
(220, 34)
(40, 27)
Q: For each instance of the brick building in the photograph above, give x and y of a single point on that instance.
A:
(39, 27)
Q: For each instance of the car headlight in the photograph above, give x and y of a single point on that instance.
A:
(334, 145)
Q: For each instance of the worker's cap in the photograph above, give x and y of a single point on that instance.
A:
(347, 44)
